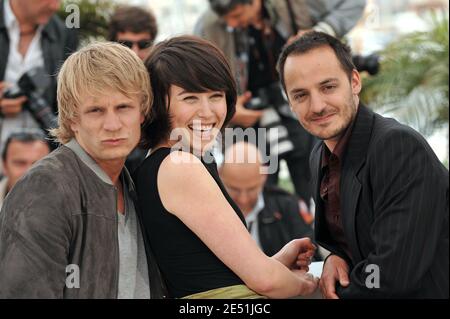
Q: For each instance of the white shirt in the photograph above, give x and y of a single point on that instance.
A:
(17, 65)
(252, 218)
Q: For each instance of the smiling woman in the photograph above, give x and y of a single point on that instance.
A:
(198, 233)
(186, 74)
(196, 117)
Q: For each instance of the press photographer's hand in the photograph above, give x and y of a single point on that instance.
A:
(244, 117)
(297, 254)
(10, 107)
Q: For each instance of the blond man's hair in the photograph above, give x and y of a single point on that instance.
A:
(90, 71)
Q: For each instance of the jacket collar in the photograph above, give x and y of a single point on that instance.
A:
(358, 143)
(4, 43)
(350, 184)
(356, 149)
(7, 17)
(353, 159)
(49, 31)
(89, 162)
(259, 207)
(269, 211)
(3, 187)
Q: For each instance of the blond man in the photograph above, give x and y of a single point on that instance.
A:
(69, 228)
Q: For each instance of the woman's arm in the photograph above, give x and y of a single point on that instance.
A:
(190, 193)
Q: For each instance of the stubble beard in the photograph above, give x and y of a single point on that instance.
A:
(348, 116)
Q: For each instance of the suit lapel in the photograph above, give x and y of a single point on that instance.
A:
(350, 186)
(4, 43)
(319, 218)
(47, 43)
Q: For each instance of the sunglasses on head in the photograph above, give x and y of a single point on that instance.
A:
(142, 44)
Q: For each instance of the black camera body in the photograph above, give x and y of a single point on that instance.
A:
(33, 84)
(270, 99)
(266, 97)
(369, 63)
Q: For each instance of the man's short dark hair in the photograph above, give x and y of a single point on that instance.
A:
(132, 19)
(193, 64)
(24, 136)
(222, 7)
(313, 40)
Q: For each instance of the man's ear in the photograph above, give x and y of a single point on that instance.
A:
(356, 82)
(74, 126)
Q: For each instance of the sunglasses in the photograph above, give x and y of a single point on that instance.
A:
(142, 44)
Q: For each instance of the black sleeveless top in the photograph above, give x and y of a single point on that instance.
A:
(186, 263)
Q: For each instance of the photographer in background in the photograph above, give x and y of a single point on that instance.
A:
(32, 38)
(274, 217)
(252, 33)
(134, 27)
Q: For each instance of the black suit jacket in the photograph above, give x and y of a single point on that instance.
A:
(57, 43)
(280, 221)
(394, 207)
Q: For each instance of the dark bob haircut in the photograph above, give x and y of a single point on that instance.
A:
(313, 40)
(193, 64)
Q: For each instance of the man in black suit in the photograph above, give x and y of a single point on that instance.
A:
(274, 217)
(381, 193)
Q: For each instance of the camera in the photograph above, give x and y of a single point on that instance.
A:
(266, 97)
(270, 99)
(369, 63)
(33, 84)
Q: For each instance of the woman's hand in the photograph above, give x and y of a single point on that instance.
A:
(309, 283)
(297, 254)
